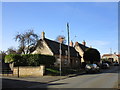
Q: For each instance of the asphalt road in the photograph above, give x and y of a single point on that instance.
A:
(106, 79)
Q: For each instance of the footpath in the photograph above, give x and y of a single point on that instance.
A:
(24, 82)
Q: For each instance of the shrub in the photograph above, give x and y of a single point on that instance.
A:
(30, 59)
(12, 58)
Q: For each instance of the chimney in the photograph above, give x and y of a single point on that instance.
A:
(71, 44)
(43, 35)
(84, 43)
(76, 43)
(60, 39)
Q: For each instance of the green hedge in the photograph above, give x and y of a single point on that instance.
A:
(12, 57)
(30, 59)
(91, 55)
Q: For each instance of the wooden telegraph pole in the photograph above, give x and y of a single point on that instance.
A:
(68, 43)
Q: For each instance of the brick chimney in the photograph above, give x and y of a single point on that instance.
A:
(71, 43)
(43, 35)
(60, 39)
(84, 43)
(76, 43)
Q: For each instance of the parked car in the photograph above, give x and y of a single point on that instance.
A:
(92, 68)
(105, 65)
(116, 64)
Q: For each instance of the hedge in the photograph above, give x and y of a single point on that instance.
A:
(30, 59)
(92, 55)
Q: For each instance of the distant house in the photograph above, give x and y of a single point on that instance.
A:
(111, 57)
(81, 49)
(118, 58)
(49, 47)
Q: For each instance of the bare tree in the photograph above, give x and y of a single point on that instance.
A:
(21, 39)
(31, 39)
(26, 41)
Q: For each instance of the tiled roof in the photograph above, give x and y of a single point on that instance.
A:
(118, 55)
(55, 46)
(104, 55)
(107, 55)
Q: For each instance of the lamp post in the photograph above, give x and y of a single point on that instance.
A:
(60, 58)
(61, 39)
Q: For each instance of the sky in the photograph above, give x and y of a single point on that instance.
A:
(94, 22)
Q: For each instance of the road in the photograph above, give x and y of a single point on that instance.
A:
(106, 79)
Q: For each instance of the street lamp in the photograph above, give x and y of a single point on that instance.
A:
(60, 58)
(61, 39)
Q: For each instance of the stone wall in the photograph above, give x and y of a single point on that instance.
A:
(29, 71)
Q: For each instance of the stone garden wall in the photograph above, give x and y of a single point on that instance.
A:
(29, 71)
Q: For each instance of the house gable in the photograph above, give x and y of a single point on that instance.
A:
(81, 49)
(42, 48)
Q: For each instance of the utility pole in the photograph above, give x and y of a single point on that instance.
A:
(68, 44)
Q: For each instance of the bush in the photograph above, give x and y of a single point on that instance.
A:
(2, 56)
(12, 58)
(30, 60)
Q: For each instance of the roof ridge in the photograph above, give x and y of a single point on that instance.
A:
(54, 46)
(58, 42)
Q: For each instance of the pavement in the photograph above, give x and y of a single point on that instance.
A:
(24, 82)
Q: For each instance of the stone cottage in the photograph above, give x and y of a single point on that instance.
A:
(49, 47)
(81, 49)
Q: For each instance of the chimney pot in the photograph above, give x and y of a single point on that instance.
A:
(43, 35)
(76, 43)
(61, 39)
